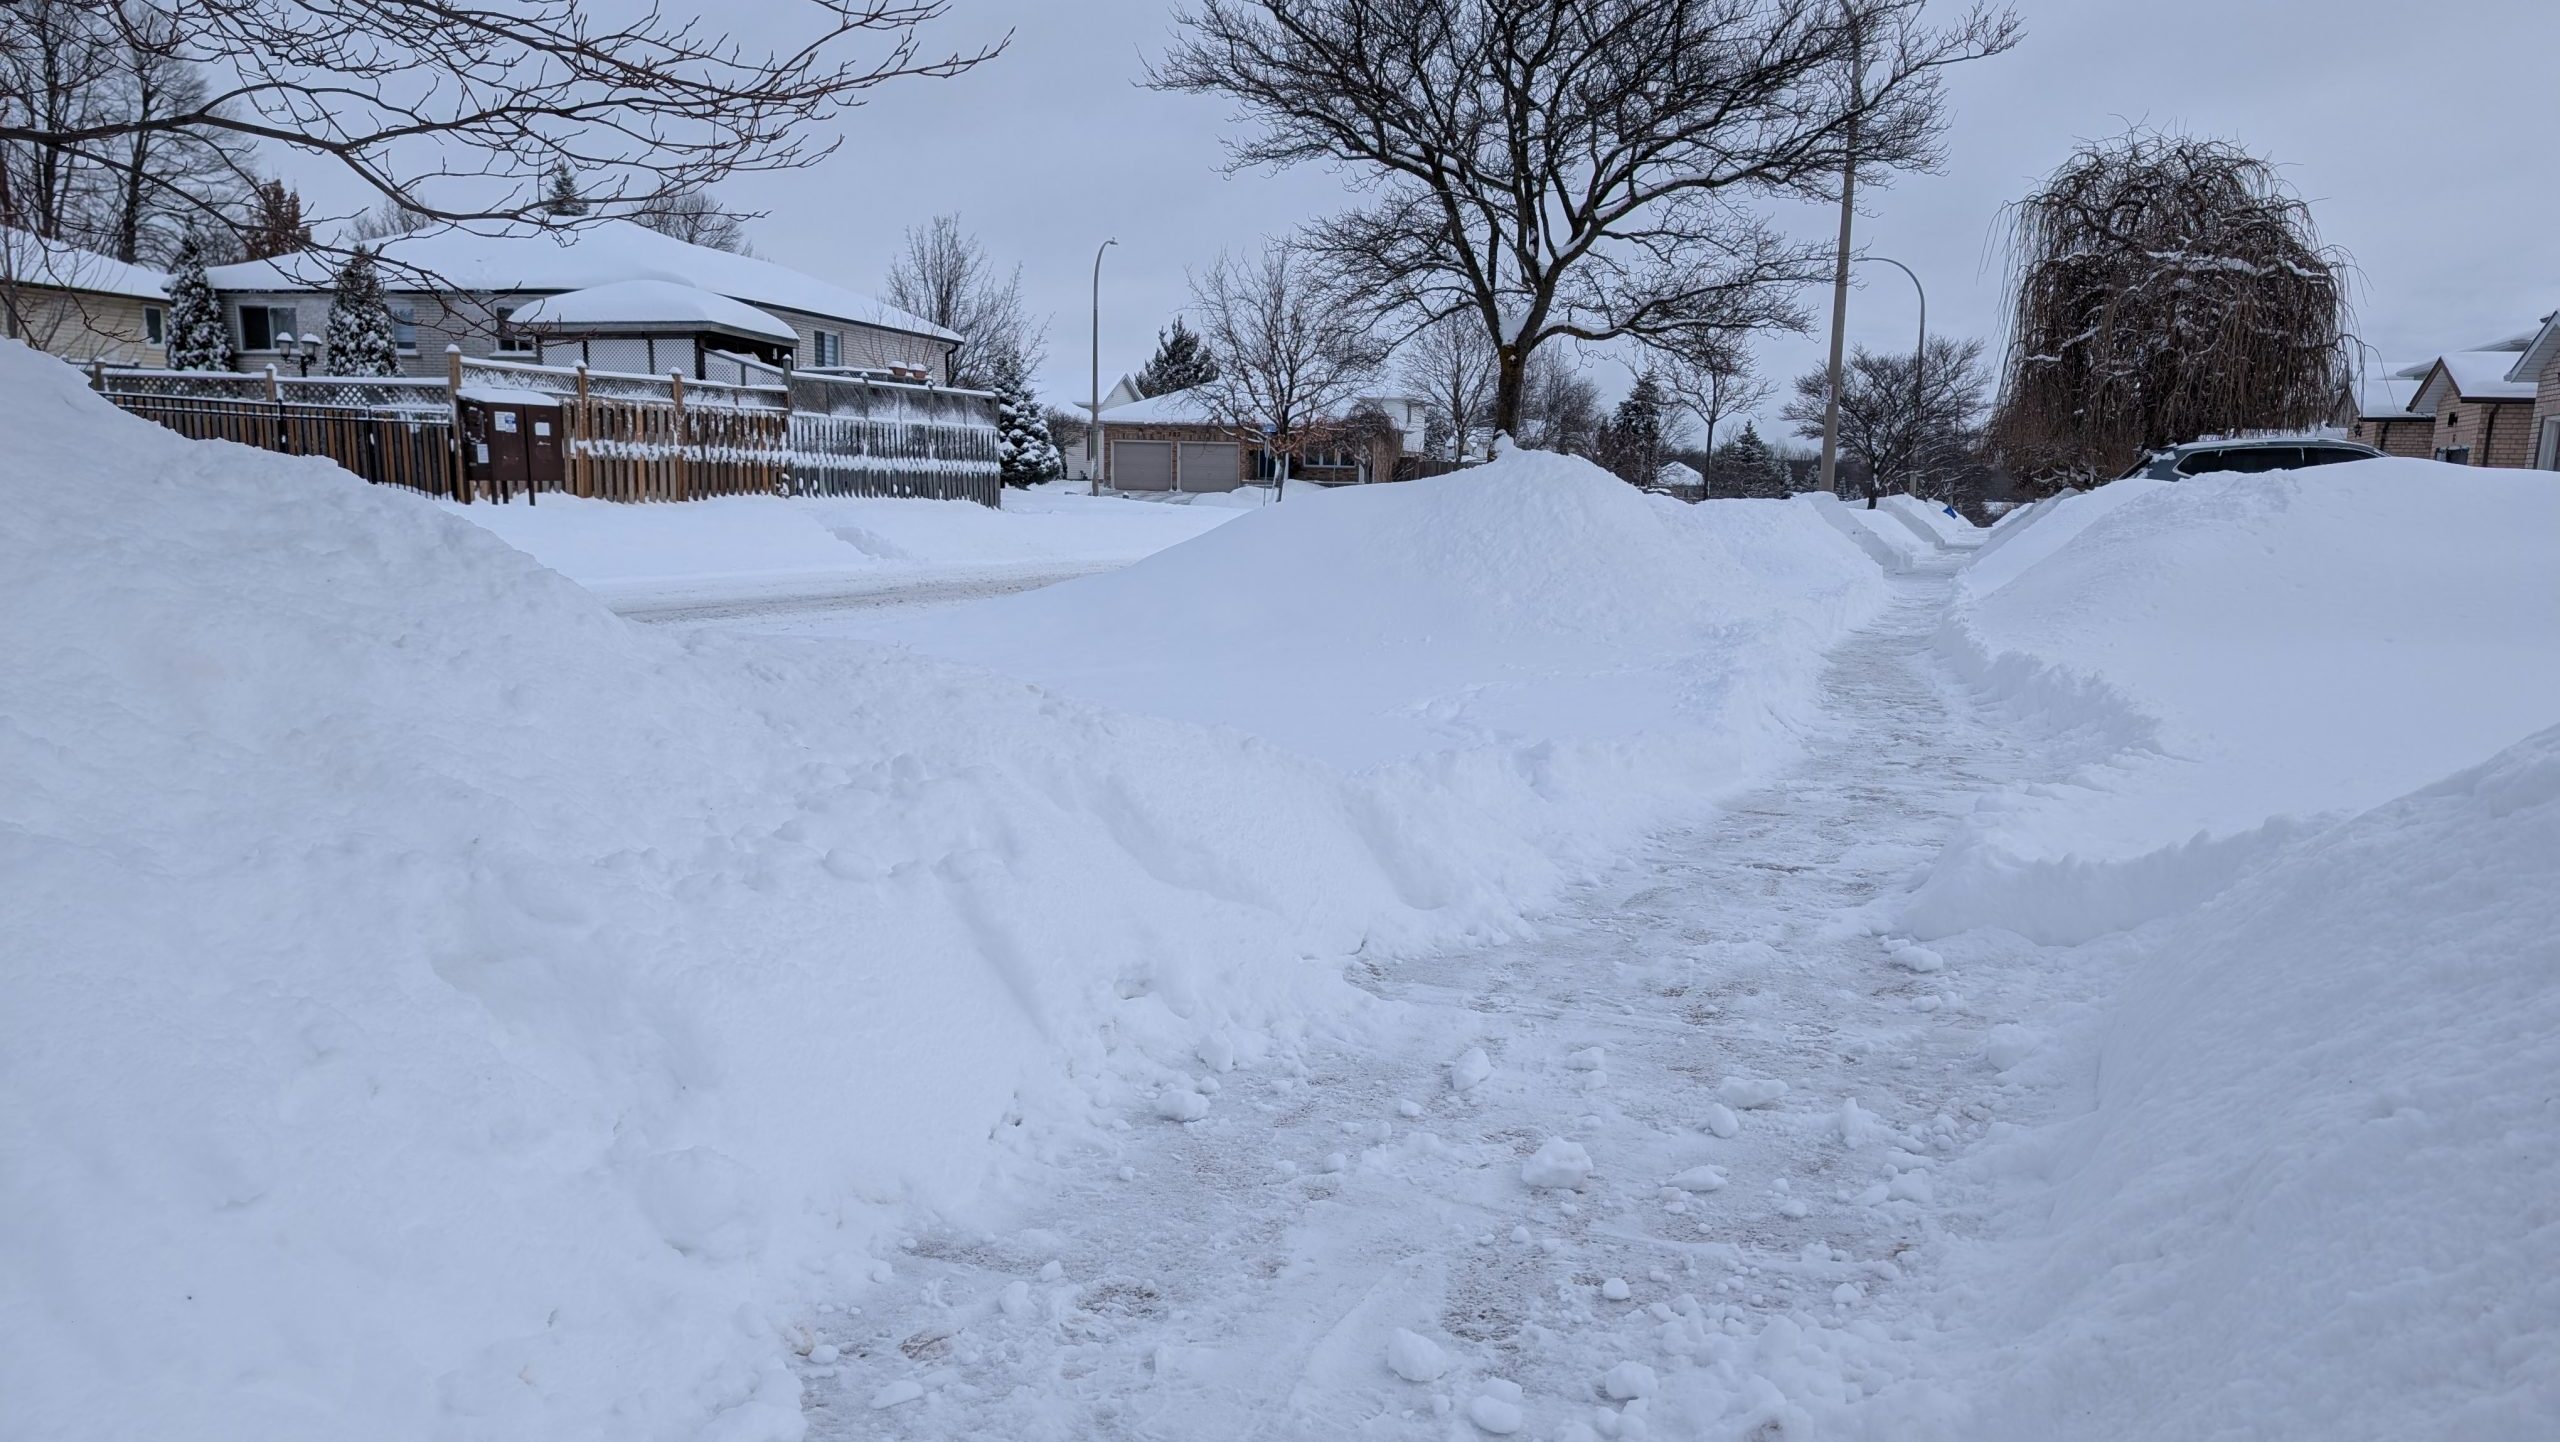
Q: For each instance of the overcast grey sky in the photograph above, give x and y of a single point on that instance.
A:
(2425, 135)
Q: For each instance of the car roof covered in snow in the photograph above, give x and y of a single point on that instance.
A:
(593, 255)
(29, 259)
(638, 304)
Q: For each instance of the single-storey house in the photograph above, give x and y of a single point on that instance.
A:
(2538, 365)
(1176, 441)
(2481, 418)
(2375, 409)
(80, 305)
(462, 289)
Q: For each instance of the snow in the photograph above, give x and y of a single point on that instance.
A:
(599, 254)
(748, 546)
(1571, 657)
(2314, 1196)
(1557, 1163)
(468, 1014)
(2477, 375)
(1414, 1357)
(2237, 659)
(29, 259)
(651, 302)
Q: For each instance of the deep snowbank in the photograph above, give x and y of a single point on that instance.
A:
(432, 1007)
(1572, 656)
(746, 544)
(2240, 658)
(2319, 1192)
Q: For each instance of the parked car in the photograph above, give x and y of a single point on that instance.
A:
(2265, 453)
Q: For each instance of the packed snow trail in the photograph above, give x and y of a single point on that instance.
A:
(1238, 1260)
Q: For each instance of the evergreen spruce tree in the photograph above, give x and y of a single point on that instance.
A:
(198, 340)
(563, 199)
(1181, 361)
(1631, 442)
(360, 339)
(1745, 466)
(1030, 456)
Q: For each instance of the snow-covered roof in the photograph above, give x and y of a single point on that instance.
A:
(2474, 375)
(1173, 408)
(2386, 391)
(29, 259)
(1192, 408)
(638, 304)
(2539, 353)
(592, 256)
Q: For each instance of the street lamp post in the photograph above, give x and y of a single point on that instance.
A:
(303, 351)
(1919, 365)
(1093, 423)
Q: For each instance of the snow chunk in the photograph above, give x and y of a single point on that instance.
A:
(1720, 1121)
(1181, 1104)
(896, 1394)
(1615, 1289)
(1414, 1357)
(1697, 1179)
(1470, 1069)
(1918, 958)
(2010, 1044)
(1590, 1058)
(1749, 1093)
(1496, 1409)
(1630, 1380)
(1559, 1163)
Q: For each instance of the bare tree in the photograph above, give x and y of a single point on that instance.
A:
(1559, 407)
(944, 276)
(1916, 439)
(2164, 288)
(695, 217)
(1450, 364)
(1578, 168)
(386, 221)
(1713, 381)
(1291, 357)
(456, 110)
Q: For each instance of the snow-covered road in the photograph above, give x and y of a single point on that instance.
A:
(1738, 1253)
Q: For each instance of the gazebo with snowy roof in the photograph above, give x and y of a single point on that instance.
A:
(651, 327)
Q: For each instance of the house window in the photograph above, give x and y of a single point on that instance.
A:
(154, 328)
(509, 340)
(404, 327)
(2453, 418)
(827, 348)
(266, 327)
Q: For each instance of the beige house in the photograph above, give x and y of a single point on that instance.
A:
(460, 289)
(1175, 442)
(80, 305)
(2481, 418)
(2538, 365)
(2375, 409)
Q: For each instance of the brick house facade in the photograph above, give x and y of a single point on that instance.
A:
(2480, 417)
(1172, 444)
(2374, 409)
(2539, 366)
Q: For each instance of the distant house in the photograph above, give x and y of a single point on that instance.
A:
(2375, 409)
(1681, 479)
(80, 305)
(1176, 442)
(2538, 365)
(586, 290)
(2481, 418)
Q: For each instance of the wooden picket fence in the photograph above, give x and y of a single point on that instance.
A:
(624, 437)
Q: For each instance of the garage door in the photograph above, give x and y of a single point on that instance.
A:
(1208, 465)
(1142, 465)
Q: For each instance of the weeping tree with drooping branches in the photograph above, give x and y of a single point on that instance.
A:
(2162, 288)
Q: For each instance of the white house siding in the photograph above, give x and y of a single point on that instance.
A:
(467, 322)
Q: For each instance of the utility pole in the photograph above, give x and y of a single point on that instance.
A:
(1840, 265)
(1093, 422)
(1919, 373)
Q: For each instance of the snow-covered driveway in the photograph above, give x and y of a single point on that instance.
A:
(1242, 1273)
